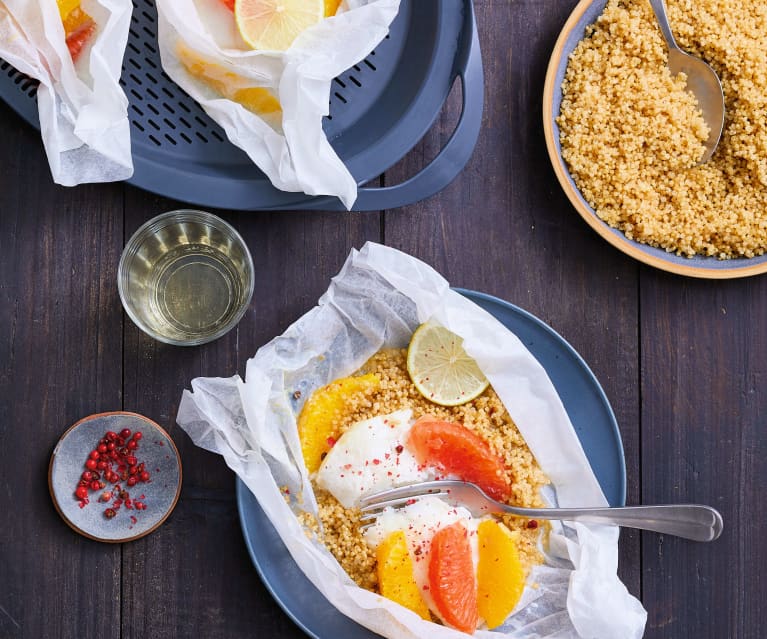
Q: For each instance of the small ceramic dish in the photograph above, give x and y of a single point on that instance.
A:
(159, 494)
(586, 13)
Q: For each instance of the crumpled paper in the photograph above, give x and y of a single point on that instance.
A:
(377, 300)
(292, 150)
(83, 110)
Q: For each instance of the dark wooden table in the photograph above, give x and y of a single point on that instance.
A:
(684, 363)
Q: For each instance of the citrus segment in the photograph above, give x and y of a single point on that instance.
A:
(258, 100)
(451, 577)
(440, 369)
(395, 574)
(229, 84)
(77, 39)
(273, 25)
(457, 451)
(78, 26)
(321, 414)
(331, 7)
(66, 7)
(500, 576)
(76, 20)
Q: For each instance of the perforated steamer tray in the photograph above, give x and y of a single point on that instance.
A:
(379, 109)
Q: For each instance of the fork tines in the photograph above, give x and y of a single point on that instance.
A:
(373, 505)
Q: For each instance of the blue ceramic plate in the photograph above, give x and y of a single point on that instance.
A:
(160, 494)
(589, 411)
(584, 14)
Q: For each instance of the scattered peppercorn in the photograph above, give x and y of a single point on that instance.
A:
(114, 456)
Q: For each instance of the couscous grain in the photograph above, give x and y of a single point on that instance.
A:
(632, 135)
(484, 415)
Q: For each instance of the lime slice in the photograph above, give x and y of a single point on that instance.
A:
(440, 369)
(272, 25)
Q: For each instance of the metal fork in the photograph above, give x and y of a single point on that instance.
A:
(691, 521)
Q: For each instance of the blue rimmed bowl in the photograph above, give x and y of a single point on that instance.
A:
(586, 13)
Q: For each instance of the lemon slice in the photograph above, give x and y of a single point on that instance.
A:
(272, 25)
(440, 369)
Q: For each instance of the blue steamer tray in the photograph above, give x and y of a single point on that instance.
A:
(379, 110)
(582, 397)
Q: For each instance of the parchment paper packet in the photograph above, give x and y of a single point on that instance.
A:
(377, 300)
(83, 110)
(282, 132)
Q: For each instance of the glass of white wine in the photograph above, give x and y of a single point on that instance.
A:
(186, 277)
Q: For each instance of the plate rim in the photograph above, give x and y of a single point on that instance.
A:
(72, 524)
(617, 240)
(622, 488)
(243, 493)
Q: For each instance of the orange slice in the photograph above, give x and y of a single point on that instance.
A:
(229, 84)
(75, 21)
(258, 100)
(458, 451)
(500, 576)
(451, 577)
(273, 25)
(395, 574)
(66, 7)
(319, 418)
(331, 7)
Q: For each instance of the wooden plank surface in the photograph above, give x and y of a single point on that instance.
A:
(704, 412)
(193, 576)
(59, 355)
(682, 362)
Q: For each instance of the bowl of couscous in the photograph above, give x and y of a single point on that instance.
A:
(625, 137)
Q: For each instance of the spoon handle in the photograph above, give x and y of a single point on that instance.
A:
(659, 8)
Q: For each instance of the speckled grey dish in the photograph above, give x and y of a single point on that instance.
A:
(585, 13)
(157, 451)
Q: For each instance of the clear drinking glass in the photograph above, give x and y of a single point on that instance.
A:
(185, 277)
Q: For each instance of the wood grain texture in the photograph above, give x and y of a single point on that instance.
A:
(683, 363)
(59, 361)
(193, 575)
(704, 366)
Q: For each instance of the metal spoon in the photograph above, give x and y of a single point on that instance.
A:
(702, 81)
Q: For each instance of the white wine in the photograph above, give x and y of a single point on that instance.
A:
(186, 277)
(194, 290)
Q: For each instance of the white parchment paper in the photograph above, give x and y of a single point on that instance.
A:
(293, 152)
(83, 110)
(377, 300)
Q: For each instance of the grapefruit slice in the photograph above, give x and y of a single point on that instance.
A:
(451, 577)
(395, 574)
(272, 25)
(79, 37)
(458, 451)
(317, 423)
(500, 576)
